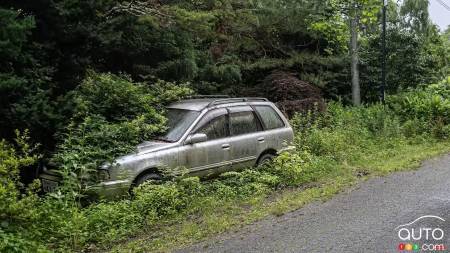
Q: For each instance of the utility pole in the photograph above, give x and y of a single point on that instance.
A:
(356, 89)
(383, 67)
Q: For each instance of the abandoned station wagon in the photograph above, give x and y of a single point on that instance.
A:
(206, 136)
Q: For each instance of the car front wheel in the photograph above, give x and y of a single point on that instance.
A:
(147, 177)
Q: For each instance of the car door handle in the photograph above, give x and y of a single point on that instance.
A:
(226, 146)
(261, 139)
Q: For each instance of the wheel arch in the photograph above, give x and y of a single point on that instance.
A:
(271, 151)
(144, 172)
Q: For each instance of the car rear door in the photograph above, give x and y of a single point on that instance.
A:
(277, 133)
(246, 139)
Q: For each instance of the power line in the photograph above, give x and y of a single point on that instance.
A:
(443, 4)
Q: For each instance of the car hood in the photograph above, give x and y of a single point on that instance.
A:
(152, 146)
(145, 148)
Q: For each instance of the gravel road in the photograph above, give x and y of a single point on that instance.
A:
(364, 219)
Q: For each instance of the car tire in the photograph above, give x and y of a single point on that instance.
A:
(266, 158)
(147, 177)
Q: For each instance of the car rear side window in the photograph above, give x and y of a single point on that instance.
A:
(269, 117)
(243, 123)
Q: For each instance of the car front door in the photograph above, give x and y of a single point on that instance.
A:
(246, 139)
(213, 155)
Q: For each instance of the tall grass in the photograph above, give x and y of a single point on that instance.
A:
(329, 146)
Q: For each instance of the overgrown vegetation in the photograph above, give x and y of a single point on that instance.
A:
(86, 81)
(219, 46)
(331, 147)
(111, 115)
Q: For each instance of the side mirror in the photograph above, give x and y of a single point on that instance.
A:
(196, 138)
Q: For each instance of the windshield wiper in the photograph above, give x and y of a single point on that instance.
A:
(163, 139)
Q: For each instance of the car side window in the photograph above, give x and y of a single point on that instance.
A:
(216, 128)
(214, 124)
(243, 123)
(269, 117)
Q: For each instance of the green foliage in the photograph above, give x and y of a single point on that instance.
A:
(111, 116)
(11, 160)
(225, 46)
(113, 97)
(24, 100)
(430, 104)
(290, 168)
(333, 18)
(422, 62)
(323, 143)
(17, 202)
(52, 54)
(417, 16)
(416, 53)
(13, 36)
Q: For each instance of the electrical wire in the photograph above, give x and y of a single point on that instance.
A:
(443, 4)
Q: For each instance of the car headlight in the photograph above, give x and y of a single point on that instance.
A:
(103, 175)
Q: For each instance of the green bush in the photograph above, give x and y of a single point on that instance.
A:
(156, 201)
(289, 168)
(108, 222)
(17, 209)
(112, 115)
(323, 144)
(430, 104)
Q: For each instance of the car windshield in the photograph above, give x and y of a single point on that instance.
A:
(178, 121)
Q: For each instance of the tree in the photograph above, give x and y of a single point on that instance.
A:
(446, 39)
(416, 52)
(415, 17)
(219, 46)
(359, 12)
(356, 89)
(24, 81)
(356, 13)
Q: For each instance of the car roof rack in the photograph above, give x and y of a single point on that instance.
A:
(207, 96)
(236, 100)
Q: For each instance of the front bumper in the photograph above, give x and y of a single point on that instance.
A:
(114, 189)
(109, 189)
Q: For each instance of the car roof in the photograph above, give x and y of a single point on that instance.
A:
(201, 103)
(192, 104)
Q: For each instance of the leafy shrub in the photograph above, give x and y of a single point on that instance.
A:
(244, 184)
(289, 168)
(17, 202)
(156, 201)
(430, 104)
(111, 221)
(323, 143)
(112, 115)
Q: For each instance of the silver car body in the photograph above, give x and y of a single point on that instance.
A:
(204, 158)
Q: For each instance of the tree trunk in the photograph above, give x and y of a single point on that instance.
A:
(356, 89)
